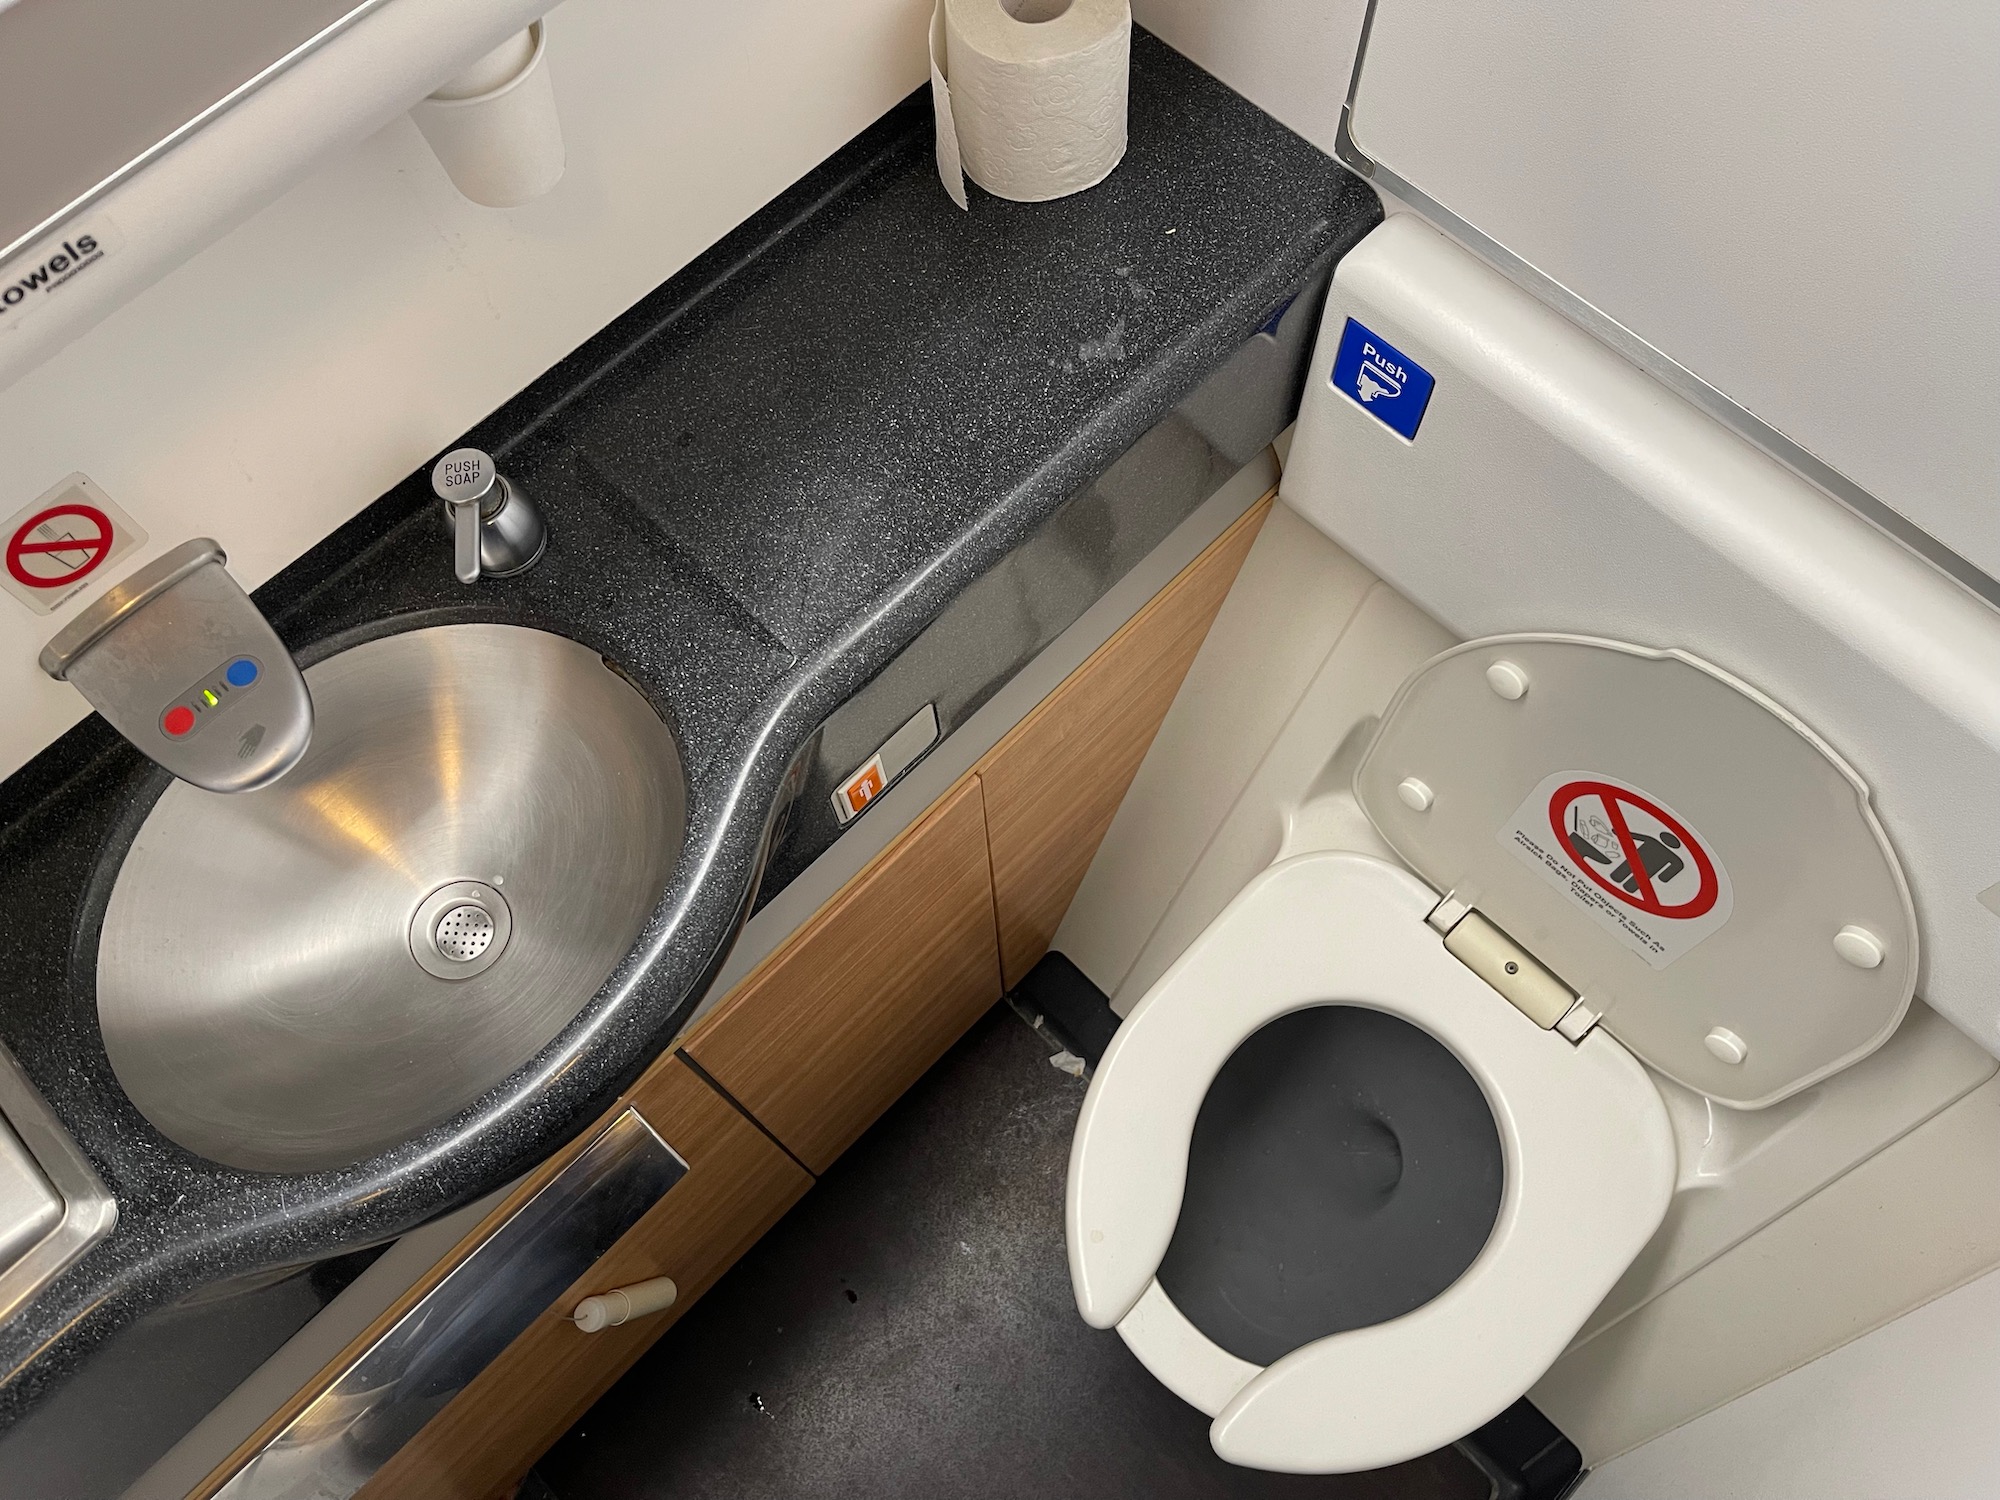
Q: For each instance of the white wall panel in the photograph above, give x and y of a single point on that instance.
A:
(1859, 1422)
(1291, 58)
(272, 386)
(1799, 203)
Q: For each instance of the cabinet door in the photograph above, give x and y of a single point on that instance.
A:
(1053, 784)
(737, 1184)
(828, 1031)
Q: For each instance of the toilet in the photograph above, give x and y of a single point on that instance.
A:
(1361, 1164)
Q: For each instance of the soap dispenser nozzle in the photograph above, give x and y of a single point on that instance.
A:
(496, 530)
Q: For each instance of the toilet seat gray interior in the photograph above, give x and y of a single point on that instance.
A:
(1345, 1169)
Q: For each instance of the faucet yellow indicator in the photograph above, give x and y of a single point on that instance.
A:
(209, 698)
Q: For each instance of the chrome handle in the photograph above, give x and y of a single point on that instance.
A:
(496, 532)
(465, 539)
(463, 479)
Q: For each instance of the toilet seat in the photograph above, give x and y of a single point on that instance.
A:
(1589, 1171)
(1640, 853)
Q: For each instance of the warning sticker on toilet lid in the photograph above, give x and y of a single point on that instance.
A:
(1634, 864)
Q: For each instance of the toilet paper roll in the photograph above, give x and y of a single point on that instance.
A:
(1029, 94)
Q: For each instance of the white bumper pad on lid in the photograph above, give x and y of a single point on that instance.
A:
(1589, 1161)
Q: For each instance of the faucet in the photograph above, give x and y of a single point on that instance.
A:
(177, 649)
(496, 530)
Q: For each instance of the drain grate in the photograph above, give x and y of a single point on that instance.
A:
(460, 930)
(464, 933)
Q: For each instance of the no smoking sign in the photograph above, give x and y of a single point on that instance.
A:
(61, 541)
(1631, 862)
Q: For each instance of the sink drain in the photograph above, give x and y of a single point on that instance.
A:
(463, 933)
(460, 929)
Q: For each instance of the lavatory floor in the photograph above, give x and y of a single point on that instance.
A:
(908, 1330)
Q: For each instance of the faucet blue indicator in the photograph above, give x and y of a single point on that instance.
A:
(241, 672)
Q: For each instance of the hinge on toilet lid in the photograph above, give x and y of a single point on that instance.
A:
(1511, 969)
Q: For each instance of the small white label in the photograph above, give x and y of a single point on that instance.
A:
(32, 278)
(1635, 865)
(63, 540)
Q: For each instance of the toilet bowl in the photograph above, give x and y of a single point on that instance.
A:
(1362, 1163)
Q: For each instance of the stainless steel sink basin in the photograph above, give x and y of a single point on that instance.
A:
(299, 977)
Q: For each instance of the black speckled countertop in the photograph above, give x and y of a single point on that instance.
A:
(761, 483)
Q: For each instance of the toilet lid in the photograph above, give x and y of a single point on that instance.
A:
(1695, 862)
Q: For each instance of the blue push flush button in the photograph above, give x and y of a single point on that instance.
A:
(1382, 380)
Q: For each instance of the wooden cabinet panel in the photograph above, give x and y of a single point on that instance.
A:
(829, 1030)
(1053, 784)
(737, 1186)
(825, 1034)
